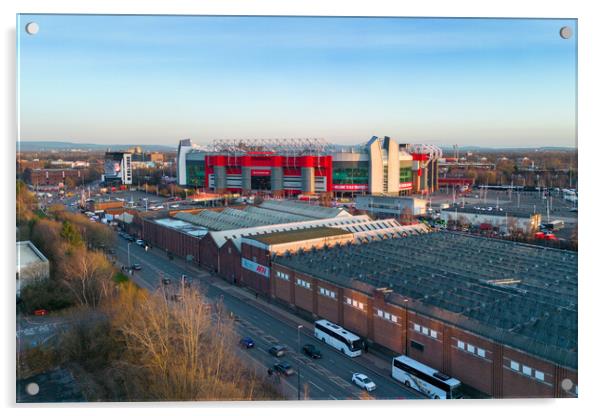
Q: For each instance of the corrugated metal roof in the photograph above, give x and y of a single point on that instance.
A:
(280, 237)
(460, 279)
(305, 209)
(221, 237)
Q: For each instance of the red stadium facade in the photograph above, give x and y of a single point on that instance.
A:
(268, 172)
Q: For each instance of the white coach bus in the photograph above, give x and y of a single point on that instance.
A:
(426, 380)
(338, 337)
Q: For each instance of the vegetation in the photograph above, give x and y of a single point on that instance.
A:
(123, 342)
(44, 294)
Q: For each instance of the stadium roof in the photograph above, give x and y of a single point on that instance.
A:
(516, 294)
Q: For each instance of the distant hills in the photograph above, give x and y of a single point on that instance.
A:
(41, 146)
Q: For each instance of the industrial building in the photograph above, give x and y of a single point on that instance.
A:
(218, 239)
(505, 220)
(117, 168)
(55, 177)
(499, 316)
(32, 265)
(289, 167)
(383, 206)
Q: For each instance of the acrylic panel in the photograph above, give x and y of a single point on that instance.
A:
(241, 208)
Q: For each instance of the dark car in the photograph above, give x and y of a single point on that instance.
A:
(247, 342)
(166, 281)
(311, 351)
(284, 369)
(277, 350)
(137, 266)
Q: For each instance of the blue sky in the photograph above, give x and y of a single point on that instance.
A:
(156, 79)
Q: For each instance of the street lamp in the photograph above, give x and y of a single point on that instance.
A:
(299, 362)
(129, 263)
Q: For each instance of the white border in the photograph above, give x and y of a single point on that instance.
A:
(589, 277)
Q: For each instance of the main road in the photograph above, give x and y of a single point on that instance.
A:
(325, 378)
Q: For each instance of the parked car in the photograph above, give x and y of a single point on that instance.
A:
(362, 381)
(166, 281)
(284, 368)
(137, 266)
(247, 342)
(311, 351)
(140, 242)
(40, 312)
(277, 350)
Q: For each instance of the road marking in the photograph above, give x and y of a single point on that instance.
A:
(332, 397)
(315, 385)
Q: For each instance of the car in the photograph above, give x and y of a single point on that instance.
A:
(40, 312)
(140, 242)
(277, 350)
(166, 281)
(137, 266)
(247, 342)
(283, 368)
(311, 351)
(111, 251)
(362, 381)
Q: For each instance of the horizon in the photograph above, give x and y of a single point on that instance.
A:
(127, 80)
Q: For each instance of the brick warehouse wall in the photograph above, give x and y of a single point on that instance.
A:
(255, 281)
(476, 361)
(229, 263)
(179, 244)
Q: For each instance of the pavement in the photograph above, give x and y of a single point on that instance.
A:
(328, 378)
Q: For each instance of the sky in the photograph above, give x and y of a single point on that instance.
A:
(157, 79)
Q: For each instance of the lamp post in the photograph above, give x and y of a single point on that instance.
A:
(129, 263)
(299, 362)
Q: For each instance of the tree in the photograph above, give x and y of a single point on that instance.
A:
(176, 351)
(70, 234)
(406, 216)
(88, 276)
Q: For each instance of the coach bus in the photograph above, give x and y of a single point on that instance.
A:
(426, 380)
(341, 339)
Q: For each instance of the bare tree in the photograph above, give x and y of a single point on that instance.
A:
(88, 276)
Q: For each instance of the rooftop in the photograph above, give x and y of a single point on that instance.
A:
(28, 254)
(489, 210)
(519, 295)
(183, 226)
(305, 209)
(282, 237)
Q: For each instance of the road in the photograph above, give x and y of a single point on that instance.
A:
(326, 378)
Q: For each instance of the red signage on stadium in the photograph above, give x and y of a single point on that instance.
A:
(405, 186)
(350, 187)
(260, 172)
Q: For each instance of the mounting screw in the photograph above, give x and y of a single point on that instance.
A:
(32, 28)
(565, 32)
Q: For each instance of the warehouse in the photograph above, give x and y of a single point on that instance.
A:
(506, 220)
(499, 316)
(182, 233)
(383, 206)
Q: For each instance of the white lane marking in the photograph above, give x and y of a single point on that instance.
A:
(332, 397)
(315, 385)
